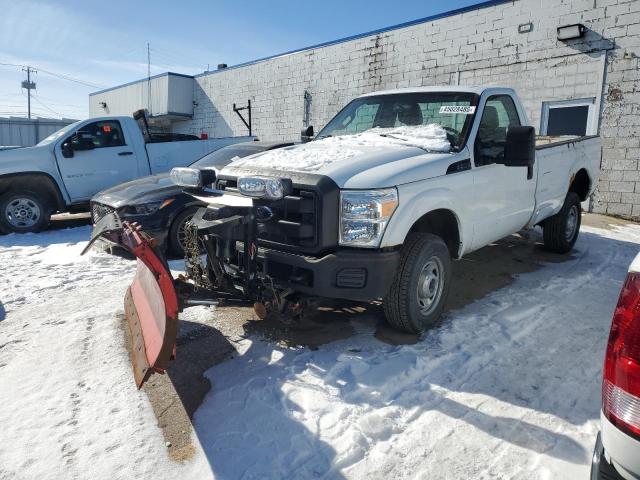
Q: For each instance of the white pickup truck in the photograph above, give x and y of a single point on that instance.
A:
(66, 169)
(396, 185)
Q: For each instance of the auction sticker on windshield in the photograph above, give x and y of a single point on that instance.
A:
(457, 109)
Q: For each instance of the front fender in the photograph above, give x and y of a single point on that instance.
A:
(419, 198)
(32, 161)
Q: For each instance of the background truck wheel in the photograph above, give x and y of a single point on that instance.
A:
(23, 212)
(176, 232)
(419, 291)
(560, 232)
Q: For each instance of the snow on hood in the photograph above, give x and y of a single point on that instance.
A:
(315, 155)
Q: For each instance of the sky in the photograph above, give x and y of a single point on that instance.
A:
(79, 47)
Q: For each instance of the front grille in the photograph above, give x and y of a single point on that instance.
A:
(98, 211)
(293, 221)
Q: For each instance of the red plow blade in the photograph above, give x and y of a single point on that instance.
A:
(151, 302)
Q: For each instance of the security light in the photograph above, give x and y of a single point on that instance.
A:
(525, 27)
(569, 32)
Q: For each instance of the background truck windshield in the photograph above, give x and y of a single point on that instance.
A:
(395, 110)
(222, 157)
(60, 133)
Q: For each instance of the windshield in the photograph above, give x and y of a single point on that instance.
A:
(223, 156)
(60, 133)
(453, 111)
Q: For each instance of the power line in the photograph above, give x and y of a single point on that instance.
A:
(12, 64)
(48, 108)
(54, 74)
(178, 60)
(117, 57)
(71, 79)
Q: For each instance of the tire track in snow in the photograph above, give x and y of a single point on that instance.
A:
(517, 309)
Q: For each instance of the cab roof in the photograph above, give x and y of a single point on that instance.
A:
(443, 88)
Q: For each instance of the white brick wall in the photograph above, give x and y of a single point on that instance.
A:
(479, 47)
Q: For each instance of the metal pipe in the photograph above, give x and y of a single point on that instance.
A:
(207, 303)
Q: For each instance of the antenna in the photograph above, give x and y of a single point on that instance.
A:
(148, 78)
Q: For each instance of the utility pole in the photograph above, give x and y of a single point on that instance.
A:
(29, 85)
(148, 78)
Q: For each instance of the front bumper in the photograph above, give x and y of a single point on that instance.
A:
(348, 274)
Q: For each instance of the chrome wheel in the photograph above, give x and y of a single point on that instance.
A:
(430, 285)
(572, 223)
(22, 213)
(180, 234)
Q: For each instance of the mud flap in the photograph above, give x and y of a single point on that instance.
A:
(151, 302)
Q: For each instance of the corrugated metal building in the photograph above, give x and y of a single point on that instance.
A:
(24, 132)
(588, 84)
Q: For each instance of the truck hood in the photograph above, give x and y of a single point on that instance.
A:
(367, 160)
(8, 154)
(36, 158)
(142, 190)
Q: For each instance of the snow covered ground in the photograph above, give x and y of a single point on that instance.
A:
(506, 387)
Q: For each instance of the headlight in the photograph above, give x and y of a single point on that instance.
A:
(364, 215)
(186, 177)
(261, 187)
(144, 208)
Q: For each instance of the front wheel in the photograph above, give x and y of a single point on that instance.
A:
(421, 286)
(560, 231)
(176, 232)
(23, 212)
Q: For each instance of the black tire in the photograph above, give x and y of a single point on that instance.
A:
(560, 232)
(23, 212)
(402, 305)
(174, 244)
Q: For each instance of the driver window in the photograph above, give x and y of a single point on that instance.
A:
(102, 134)
(499, 114)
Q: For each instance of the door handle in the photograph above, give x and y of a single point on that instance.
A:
(122, 154)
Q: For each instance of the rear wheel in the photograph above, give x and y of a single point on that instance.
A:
(176, 232)
(560, 232)
(420, 289)
(23, 212)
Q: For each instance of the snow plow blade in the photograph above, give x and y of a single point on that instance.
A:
(151, 302)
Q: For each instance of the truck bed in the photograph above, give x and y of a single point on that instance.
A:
(547, 141)
(163, 156)
(558, 159)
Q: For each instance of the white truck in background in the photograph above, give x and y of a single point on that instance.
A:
(63, 172)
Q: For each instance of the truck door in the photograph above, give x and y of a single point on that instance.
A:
(504, 198)
(95, 157)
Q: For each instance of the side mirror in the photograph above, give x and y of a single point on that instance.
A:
(67, 149)
(520, 148)
(307, 134)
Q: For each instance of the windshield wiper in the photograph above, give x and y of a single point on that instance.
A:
(386, 135)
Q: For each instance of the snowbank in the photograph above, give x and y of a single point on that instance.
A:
(507, 387)
(313, 156)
